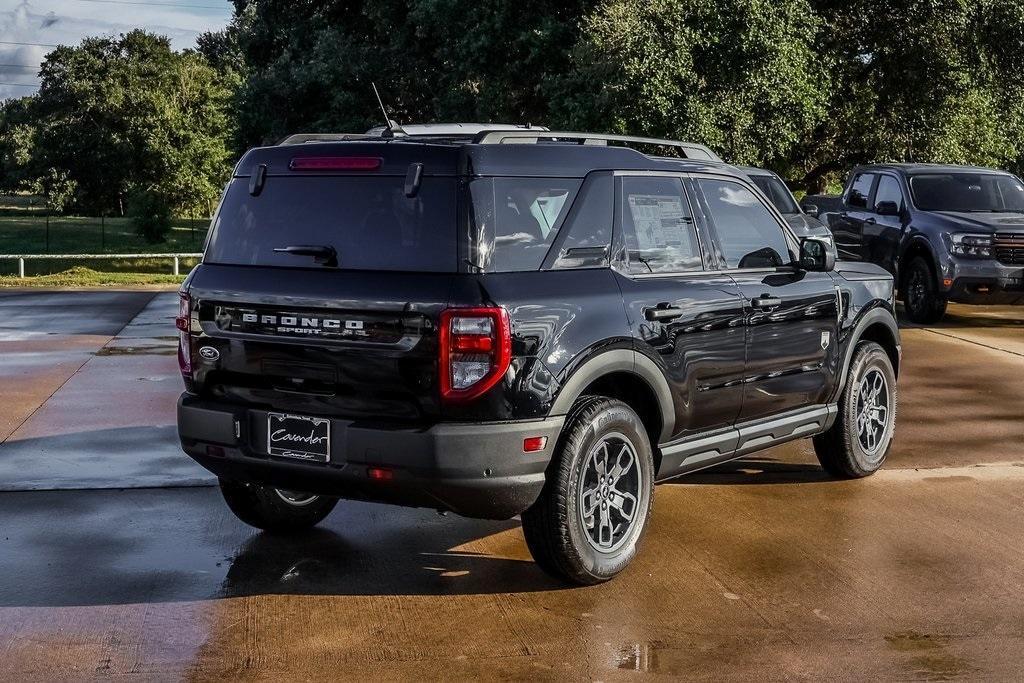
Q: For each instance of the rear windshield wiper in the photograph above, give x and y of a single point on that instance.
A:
(322, 254)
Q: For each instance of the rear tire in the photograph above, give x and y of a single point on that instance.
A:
(858, 442)
(921, 298)
(275, 510)
(592, 514)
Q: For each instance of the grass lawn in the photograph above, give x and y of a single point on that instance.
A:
(25, 232)
(86, 277)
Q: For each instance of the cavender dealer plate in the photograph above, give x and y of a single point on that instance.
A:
(299, 437)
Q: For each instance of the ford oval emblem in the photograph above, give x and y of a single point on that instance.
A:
(209, 353)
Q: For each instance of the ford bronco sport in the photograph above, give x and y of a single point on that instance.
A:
(543, 329)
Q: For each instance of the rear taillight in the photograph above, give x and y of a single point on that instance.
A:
(184, 324)
(476, 349)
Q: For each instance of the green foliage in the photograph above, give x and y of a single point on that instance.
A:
(114, 116)
(150, 211)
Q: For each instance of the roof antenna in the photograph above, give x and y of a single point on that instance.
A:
(391, 126)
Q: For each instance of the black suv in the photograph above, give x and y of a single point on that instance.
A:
(948, 233)
(545, 328)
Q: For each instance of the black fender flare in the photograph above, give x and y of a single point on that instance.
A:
(878, 314)
(620, 360)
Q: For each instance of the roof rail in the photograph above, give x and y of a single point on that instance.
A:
(299, 138)
(693, 150)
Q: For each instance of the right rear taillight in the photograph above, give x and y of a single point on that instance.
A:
(184, 324)
(475, 351)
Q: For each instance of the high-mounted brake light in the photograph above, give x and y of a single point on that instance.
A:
(335, 163)
(184, 324)
(475, 349)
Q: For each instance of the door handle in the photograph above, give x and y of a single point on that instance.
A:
(870, 221)
(765, 301)
(662, 312)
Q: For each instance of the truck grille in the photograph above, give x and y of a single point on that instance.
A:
(1009, 248)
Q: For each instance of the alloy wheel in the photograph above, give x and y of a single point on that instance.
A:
(872, 411)
(610, 487)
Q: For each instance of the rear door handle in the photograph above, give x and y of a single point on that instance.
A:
(766, 302)
(870, 221)
(662, 312)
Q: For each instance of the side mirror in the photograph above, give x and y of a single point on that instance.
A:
(887, 209)
(810, 209)
(815, 256)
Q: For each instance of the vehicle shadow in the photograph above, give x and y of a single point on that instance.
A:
(973, 316)
(144, 546)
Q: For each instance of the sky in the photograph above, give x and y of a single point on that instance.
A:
(65, 22)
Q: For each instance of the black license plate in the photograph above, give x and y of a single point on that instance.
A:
(298, 436)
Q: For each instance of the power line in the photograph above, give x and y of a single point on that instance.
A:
(21, 85)
(11, 42)
(20, 66)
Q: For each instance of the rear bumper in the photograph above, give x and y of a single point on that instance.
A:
(475, 470)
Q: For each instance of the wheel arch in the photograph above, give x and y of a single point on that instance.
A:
(918, 245)
(630, 377)
(877, 325)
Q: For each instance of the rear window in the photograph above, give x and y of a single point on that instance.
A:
(517, 219)
(369, 222)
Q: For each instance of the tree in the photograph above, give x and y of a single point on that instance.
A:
(740, 76)
(121, 115)
(916, 80)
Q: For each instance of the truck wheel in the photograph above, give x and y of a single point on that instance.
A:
(921, 298)
(594, 509)
(275, 510)
(857, 443)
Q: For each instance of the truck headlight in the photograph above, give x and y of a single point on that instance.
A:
(971, 245)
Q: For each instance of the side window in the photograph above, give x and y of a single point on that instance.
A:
(860, 190)
(889, 191)
(749, 233)
(657, 226)
(587, 233)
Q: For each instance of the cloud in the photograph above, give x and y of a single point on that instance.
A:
(67, 22)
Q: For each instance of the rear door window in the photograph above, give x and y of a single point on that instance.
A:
(657, 226)
(369, 222)
(860, 190)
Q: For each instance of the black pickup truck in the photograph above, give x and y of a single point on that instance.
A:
(543, 329)
(947, 233)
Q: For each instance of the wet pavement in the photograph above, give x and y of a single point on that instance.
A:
(763, 568)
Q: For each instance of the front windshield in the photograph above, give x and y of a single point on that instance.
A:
(777, 193)
(985, 192)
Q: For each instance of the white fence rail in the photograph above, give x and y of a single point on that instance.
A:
(21, 258)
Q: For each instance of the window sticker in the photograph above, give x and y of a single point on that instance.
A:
(660, 221)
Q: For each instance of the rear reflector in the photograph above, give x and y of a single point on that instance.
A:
(533, 444)
(335, 163)
(184, 324)
(379, 473)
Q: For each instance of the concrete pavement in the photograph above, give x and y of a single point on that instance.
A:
(763, 568)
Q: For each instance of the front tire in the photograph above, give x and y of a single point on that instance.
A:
(275, 510)
(921, 299)
(858, 442)
(591, 516)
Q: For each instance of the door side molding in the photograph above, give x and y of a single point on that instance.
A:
(703, 450)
